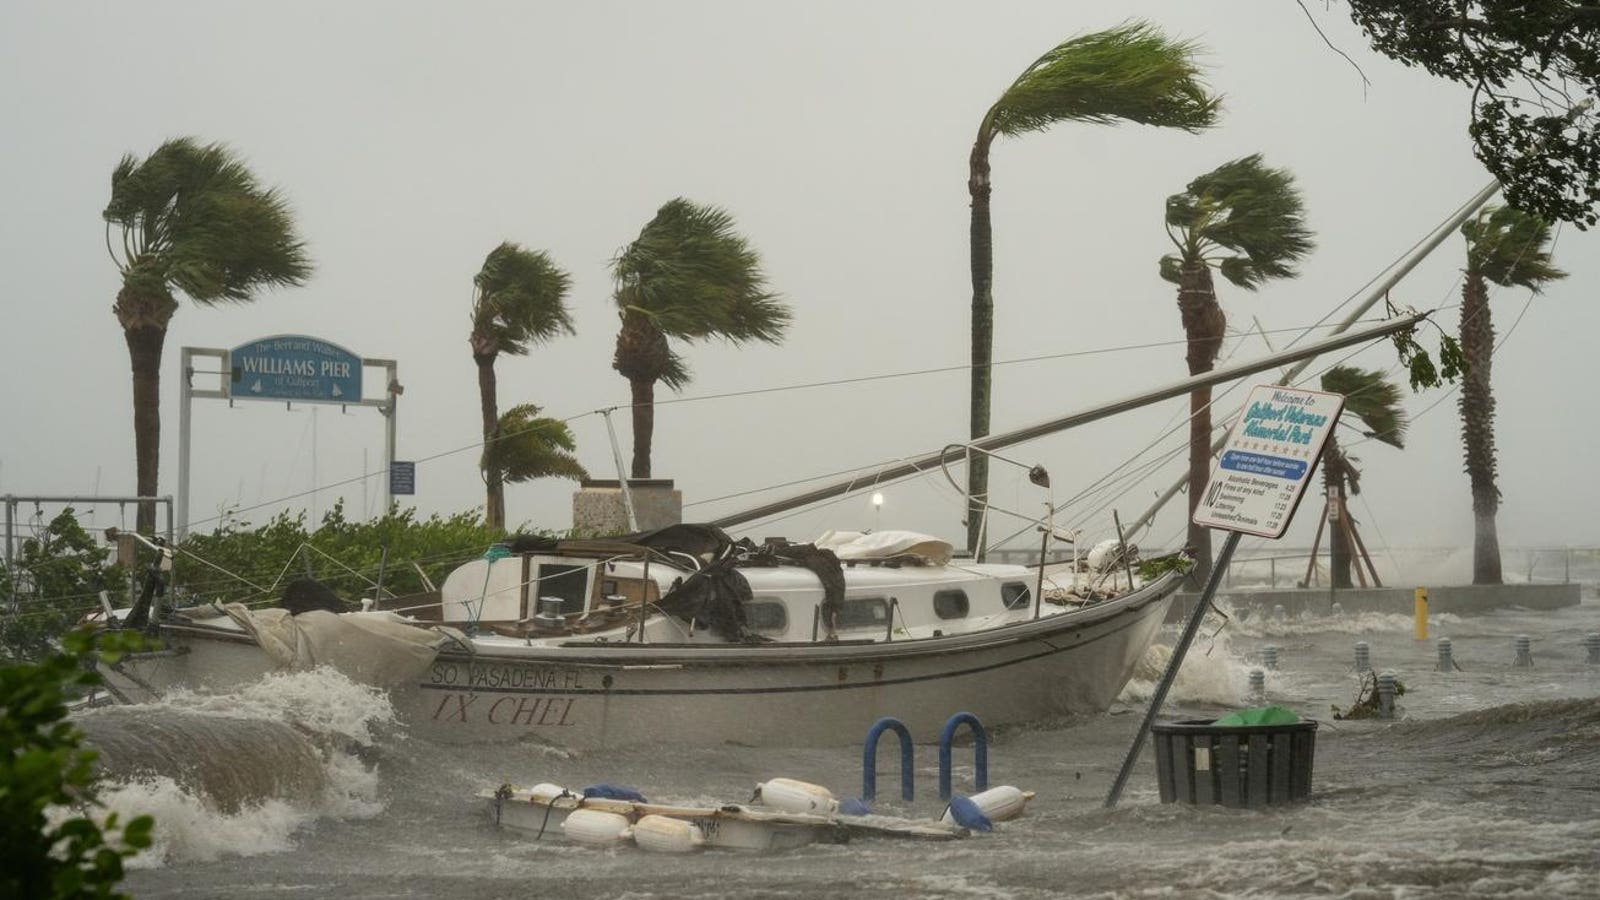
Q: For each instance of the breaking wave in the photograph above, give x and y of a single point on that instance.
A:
(239, 774)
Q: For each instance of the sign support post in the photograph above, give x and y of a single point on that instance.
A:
(288, 367)
(1255, 488)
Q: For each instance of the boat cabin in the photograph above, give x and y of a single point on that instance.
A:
(617, 593)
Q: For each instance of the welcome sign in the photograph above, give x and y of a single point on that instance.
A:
(294, 367)
(1269, 456)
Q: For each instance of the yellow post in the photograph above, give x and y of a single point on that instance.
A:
(1419, 613)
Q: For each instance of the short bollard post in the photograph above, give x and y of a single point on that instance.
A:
(1258, 686)
(1447, 662)
(1279, 613)
(1386, 695)
(1524, 652)
(1269, 656)
(1338, 609)
(1591, 642)
(1419, 614)
(1363, 657)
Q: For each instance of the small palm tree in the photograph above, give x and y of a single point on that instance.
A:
(1376, 402)
(689, 276)
(1510, 248)
(193, 220)
(1131, 73)
(519, 299)
(1246, 221)
(529, 446)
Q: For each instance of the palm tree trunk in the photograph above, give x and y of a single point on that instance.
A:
(644, 423)
(494, 501)
(144, 326)
(1340, 553)
(982, 256)
(144, 354)
(1477, 428)
(1204, 326)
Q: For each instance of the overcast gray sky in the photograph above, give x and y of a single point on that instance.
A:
(412, 138)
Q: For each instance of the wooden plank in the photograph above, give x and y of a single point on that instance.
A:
(1182, 769)
(1260, 759)
(1227, 765)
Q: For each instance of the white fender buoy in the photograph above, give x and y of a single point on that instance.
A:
(662, 834)
(544, 792)
(997, 803)
(596, 828)
(791, 796)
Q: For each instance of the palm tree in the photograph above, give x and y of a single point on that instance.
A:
(689, 276)
(1510, 248)
(519, 299)
(529, 446)
(1376, 402)
(1130, 73)
(1246, 221)
(193, 220)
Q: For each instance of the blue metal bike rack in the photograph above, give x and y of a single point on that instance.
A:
(980, 752)
(869, 758)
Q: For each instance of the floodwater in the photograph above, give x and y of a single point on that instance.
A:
(1488, 784)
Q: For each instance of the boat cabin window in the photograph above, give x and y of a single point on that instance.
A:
(1016, 594)
(767, 615)
(950, 604)
(864, 612)
(570, 583)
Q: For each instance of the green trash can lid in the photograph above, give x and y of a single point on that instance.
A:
(1265, 715)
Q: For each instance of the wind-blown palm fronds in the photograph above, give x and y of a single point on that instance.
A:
(191, 218)
(519, 299)
(531, 446)
(688, 275)
(1245, 220)
(1131, 73)
(1510, 248)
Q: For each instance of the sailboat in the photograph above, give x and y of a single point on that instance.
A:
(683, 635)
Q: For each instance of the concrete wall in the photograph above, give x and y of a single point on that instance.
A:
(597, 506)
(1459, 599)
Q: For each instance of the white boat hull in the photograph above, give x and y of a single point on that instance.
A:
(606, 695)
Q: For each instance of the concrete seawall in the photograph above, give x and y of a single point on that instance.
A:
(1458, 599)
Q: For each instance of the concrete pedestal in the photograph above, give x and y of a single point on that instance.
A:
(597, 508)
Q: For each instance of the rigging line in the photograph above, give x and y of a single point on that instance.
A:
(207, 562)
(1379, 276)
(1454, 388)
(952, 368)
(810, 508)
(1451, 391)
(1388, 551)
(354, 479)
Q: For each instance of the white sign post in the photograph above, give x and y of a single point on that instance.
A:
(1267, 460)
(1258, 482)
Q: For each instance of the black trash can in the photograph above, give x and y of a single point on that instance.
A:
(1242, 766)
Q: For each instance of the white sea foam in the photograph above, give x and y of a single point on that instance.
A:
(322, 701)
(1212, 673)
(336, 712)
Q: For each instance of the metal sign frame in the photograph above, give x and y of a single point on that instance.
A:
(388, 405)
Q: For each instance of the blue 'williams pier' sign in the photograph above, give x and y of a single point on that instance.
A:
(295, 367)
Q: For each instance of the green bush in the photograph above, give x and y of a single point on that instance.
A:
(54, 579)
(46, 766)
(343, 554)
